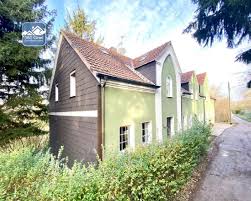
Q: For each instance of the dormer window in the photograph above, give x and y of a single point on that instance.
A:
(56, 92)
(169, 87)
(73, 84)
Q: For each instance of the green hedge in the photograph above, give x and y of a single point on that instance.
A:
(154, 172)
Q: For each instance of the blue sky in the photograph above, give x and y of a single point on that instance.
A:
(145, 24)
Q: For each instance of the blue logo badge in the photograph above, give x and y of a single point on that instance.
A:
(33, 34)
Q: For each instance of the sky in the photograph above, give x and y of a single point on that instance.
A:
(145, 24)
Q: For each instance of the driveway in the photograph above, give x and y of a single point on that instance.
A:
(229, 175)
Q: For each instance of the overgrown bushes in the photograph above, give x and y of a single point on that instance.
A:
(154, 172)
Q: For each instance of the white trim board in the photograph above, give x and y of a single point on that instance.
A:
(90, 113)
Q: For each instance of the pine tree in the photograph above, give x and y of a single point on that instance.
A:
(218, 19)
(22, 69)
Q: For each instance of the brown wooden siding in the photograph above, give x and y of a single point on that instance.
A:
(149, 71)
(78, 135)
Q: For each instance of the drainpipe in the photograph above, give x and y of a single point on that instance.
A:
(182, 118)
(103, 114)
(204, 110)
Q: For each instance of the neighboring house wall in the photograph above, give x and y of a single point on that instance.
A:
(211, 111)
(149, 71)
(127, 108)
(169, 104)
(187, 111)
(192, 105)
(78, 134)
(196, 106)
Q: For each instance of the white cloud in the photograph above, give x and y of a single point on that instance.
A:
(147, 24)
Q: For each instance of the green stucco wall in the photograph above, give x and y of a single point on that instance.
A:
(127, 108)
(169, 105)
(192, 107)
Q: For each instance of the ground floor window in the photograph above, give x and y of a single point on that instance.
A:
(146, 132)
(169, 126)
(123, 137)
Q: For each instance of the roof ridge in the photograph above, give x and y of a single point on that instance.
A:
(150, 55)
(104, 62)
(164, 44)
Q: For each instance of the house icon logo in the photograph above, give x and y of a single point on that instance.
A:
(33, 34)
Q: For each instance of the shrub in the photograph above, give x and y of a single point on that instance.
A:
(157, 171)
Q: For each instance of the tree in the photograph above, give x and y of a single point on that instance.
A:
(78, 23)
(216, 19)
(22, 69)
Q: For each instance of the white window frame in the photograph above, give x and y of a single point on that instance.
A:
(148, 129)
(169, 87)
(73, 84)
(56, 93)
(126, 141)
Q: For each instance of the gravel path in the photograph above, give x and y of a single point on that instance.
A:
(229, 175)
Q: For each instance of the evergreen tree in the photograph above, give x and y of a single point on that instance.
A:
(22, 69)
(216, 19)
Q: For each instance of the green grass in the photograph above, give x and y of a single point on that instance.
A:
(246, 116)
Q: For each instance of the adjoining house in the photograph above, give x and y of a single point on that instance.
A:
(103, 101)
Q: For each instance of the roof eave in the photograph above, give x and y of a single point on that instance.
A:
(109, 77)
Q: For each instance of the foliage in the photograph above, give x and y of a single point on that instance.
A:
(22, 70)
(216, 19)
(245, 115)
(38, 142)
(78, 23)
(22, 116)
(154, 172)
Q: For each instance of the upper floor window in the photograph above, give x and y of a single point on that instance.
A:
(73, 84)
(123, 137)
(56, 92)
(146, 132)
(169, 87)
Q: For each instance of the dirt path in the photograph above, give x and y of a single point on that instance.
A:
(229, 175)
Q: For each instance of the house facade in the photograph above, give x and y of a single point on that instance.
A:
(103, 101)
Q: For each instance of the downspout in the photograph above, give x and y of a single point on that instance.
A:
(182, 118)
(204, 110)
(103, 115)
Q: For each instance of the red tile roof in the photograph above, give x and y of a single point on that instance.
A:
(149, 56)
(103, 60)
(186, 77)
(201, 78)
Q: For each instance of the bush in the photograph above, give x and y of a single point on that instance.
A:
(154, 172)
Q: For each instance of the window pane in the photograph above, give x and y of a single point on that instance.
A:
(124, 132)
(56, 92)
(145, 132)
(73, 84)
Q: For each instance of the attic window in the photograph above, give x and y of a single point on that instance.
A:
(73, 84)
(104, 50)
(56, 92)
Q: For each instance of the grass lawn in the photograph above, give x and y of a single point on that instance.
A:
(245, 116)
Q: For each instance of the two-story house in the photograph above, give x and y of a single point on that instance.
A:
(103, 101)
